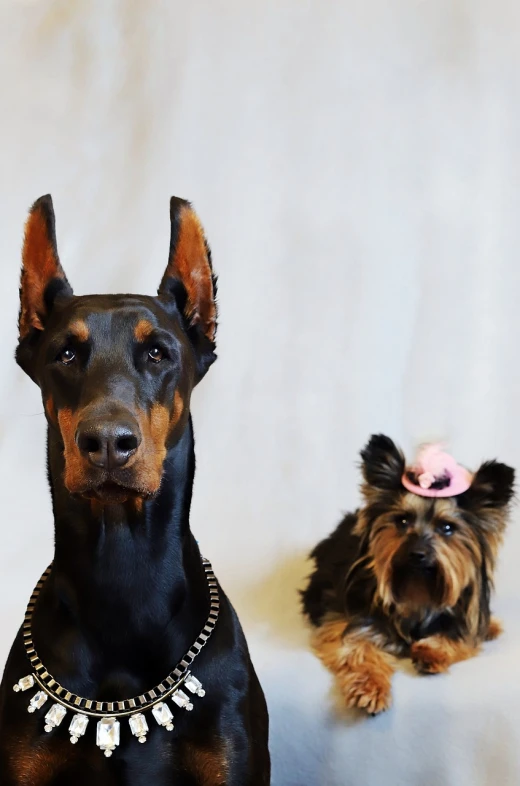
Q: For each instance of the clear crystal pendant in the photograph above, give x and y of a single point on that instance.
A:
(107, 737)
(138, 726)
(37, 701)
(24, 684)
(78, 727)
(54, 717)
(194, 686)
(163, 715)
(181, 699)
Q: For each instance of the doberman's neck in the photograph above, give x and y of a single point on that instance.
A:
(129, 564)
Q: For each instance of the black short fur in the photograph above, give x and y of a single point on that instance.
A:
(127, 595)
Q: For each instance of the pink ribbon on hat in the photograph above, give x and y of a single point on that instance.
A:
(433, 465)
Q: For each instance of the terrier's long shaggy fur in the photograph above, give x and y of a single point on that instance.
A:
(406, 576)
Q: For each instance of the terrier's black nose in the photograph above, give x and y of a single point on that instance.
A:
(420, 554)
(107, 443)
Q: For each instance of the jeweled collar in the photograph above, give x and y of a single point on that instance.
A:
(109, 713)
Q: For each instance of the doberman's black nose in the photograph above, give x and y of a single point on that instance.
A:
(109, 443)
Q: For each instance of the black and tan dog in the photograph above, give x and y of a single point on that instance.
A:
(409, 574)
(127, 595)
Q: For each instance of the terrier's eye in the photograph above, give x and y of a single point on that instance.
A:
(156, 354)
(446, 528)
(402, 521)
(67, 356)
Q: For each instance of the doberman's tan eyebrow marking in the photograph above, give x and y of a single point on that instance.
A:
(79, 329)
(143, 330)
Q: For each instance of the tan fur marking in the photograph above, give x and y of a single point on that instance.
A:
(143, 329)
(208, 766)
(35, 765)
(436, 654)
(191, 265)
(473, 614)
(495, 629)
(159, 429)
(459, 565)
(50, 409)
(384, 547)
(155, 429)
(40, 266)
(74, 464)
(178, 409)
(80, 330)
(150, 457)
(362, 670)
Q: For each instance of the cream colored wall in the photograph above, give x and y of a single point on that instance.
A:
(357, 168)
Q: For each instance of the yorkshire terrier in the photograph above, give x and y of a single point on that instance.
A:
(410, 573)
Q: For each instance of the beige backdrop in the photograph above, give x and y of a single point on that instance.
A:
(357, 166)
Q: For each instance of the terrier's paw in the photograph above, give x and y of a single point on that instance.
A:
(495, 629)
(367, 690)
(429, 659)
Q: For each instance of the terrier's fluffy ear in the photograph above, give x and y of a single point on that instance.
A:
(382, 464)
(492, 487)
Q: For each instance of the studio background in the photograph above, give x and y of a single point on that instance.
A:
(356, 167)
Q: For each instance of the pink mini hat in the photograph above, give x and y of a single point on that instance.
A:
(436, 474)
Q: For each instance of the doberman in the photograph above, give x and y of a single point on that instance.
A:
(127, 594)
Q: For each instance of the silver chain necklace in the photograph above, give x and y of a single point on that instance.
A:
(108, 713)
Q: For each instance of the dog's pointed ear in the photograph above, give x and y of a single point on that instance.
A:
(190, 281)
(382, 464)
(189, 263)
(43, 277)
(492, 487)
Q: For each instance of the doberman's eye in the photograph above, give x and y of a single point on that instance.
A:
(67, 356)
(446, 528)
(156, 354)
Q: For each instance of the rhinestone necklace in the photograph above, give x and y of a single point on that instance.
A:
(108, 713)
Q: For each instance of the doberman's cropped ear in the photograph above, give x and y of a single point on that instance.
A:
(43, 278)
(189, 264)
(190, 281)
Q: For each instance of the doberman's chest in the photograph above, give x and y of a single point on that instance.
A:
(54, 762)
(197, 751)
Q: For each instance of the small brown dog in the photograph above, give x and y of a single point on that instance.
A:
(410, 573)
